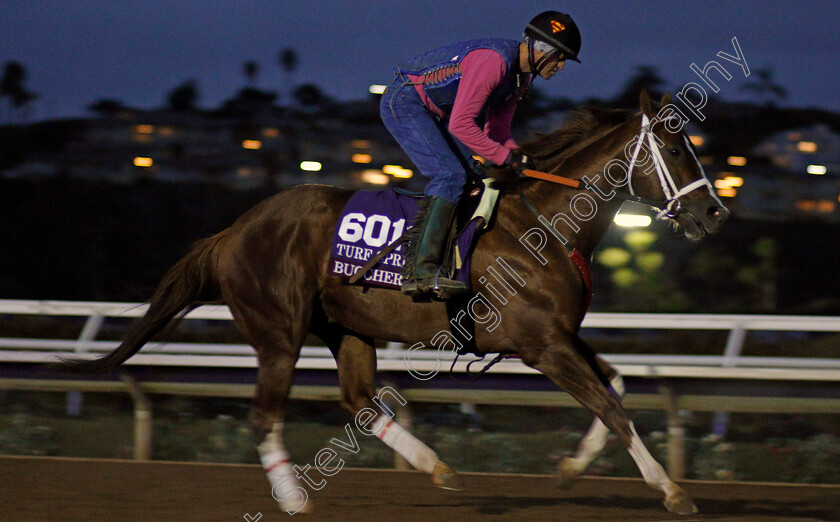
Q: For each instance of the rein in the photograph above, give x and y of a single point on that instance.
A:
(671, 207)
(569, 182)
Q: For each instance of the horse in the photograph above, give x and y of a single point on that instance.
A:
(271, 268)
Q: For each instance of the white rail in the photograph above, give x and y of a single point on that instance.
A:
(730, 364)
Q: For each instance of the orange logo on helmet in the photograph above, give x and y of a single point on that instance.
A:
(556, 26)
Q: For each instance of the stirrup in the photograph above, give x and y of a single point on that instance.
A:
(411, 288)
(450, 287)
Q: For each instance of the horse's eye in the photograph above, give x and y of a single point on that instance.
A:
(674, 152)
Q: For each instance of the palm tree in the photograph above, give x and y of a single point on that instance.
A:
(11, 87)
(765, 88)
(288, 60)
(13, 76)
(251, 70)
(645, 76)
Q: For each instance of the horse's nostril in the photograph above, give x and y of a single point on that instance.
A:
(718, 213)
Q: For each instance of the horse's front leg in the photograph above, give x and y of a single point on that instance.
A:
(356, 373)
(569, 362)
(570, 468)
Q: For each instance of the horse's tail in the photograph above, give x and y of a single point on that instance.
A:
(193, 280)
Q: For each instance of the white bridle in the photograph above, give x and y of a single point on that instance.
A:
(669, 188)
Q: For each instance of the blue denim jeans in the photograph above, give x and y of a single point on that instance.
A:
(424, 137)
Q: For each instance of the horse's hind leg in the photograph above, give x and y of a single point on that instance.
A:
(566, 364)
(356, 371)
(570, 468)
(273, 387)
(277, 337)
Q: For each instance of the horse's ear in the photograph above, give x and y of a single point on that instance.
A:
(645, 103)
(666, 99)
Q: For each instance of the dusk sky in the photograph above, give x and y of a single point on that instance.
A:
(76, 52)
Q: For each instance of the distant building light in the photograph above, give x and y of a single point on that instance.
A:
(397, 171)
(144, 129)
(361, 158)
(825, 206)
(143, 162)
(727, 192)
(377, 89)
(806, 205)
(310, 166)
(252, 144)
(360, 144)
(374, 177)
(817, 170)
(244, 171)
(697, 141)
(707, 160)
(822, 206)
(271, 132)
(631, 220)
(736, 161)
(806, 146)
(729, 182)
(166, 131)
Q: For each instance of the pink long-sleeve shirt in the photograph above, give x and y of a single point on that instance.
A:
(482, 70)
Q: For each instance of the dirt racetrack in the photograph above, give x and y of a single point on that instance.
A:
(37, 489)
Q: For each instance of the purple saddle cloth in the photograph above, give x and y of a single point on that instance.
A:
(370, 221)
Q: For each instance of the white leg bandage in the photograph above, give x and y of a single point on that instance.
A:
(617, 384)
(285, 487)
(407, 445)
(596, 438)
(590, 446)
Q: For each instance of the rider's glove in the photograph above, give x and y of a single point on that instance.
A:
(518, 161)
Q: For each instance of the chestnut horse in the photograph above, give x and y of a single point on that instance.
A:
(271, 268)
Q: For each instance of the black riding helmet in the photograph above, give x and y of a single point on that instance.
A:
(557, 30)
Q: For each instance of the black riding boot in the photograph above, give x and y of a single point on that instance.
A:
(423, 272)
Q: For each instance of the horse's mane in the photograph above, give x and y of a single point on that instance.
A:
(580, 126)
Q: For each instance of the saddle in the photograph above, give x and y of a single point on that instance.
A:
(473, 213)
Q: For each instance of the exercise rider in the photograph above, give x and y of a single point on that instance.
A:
(432, 107)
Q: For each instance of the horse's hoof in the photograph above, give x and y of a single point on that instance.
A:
(680, 503)
(443, 477)
(567, 474)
